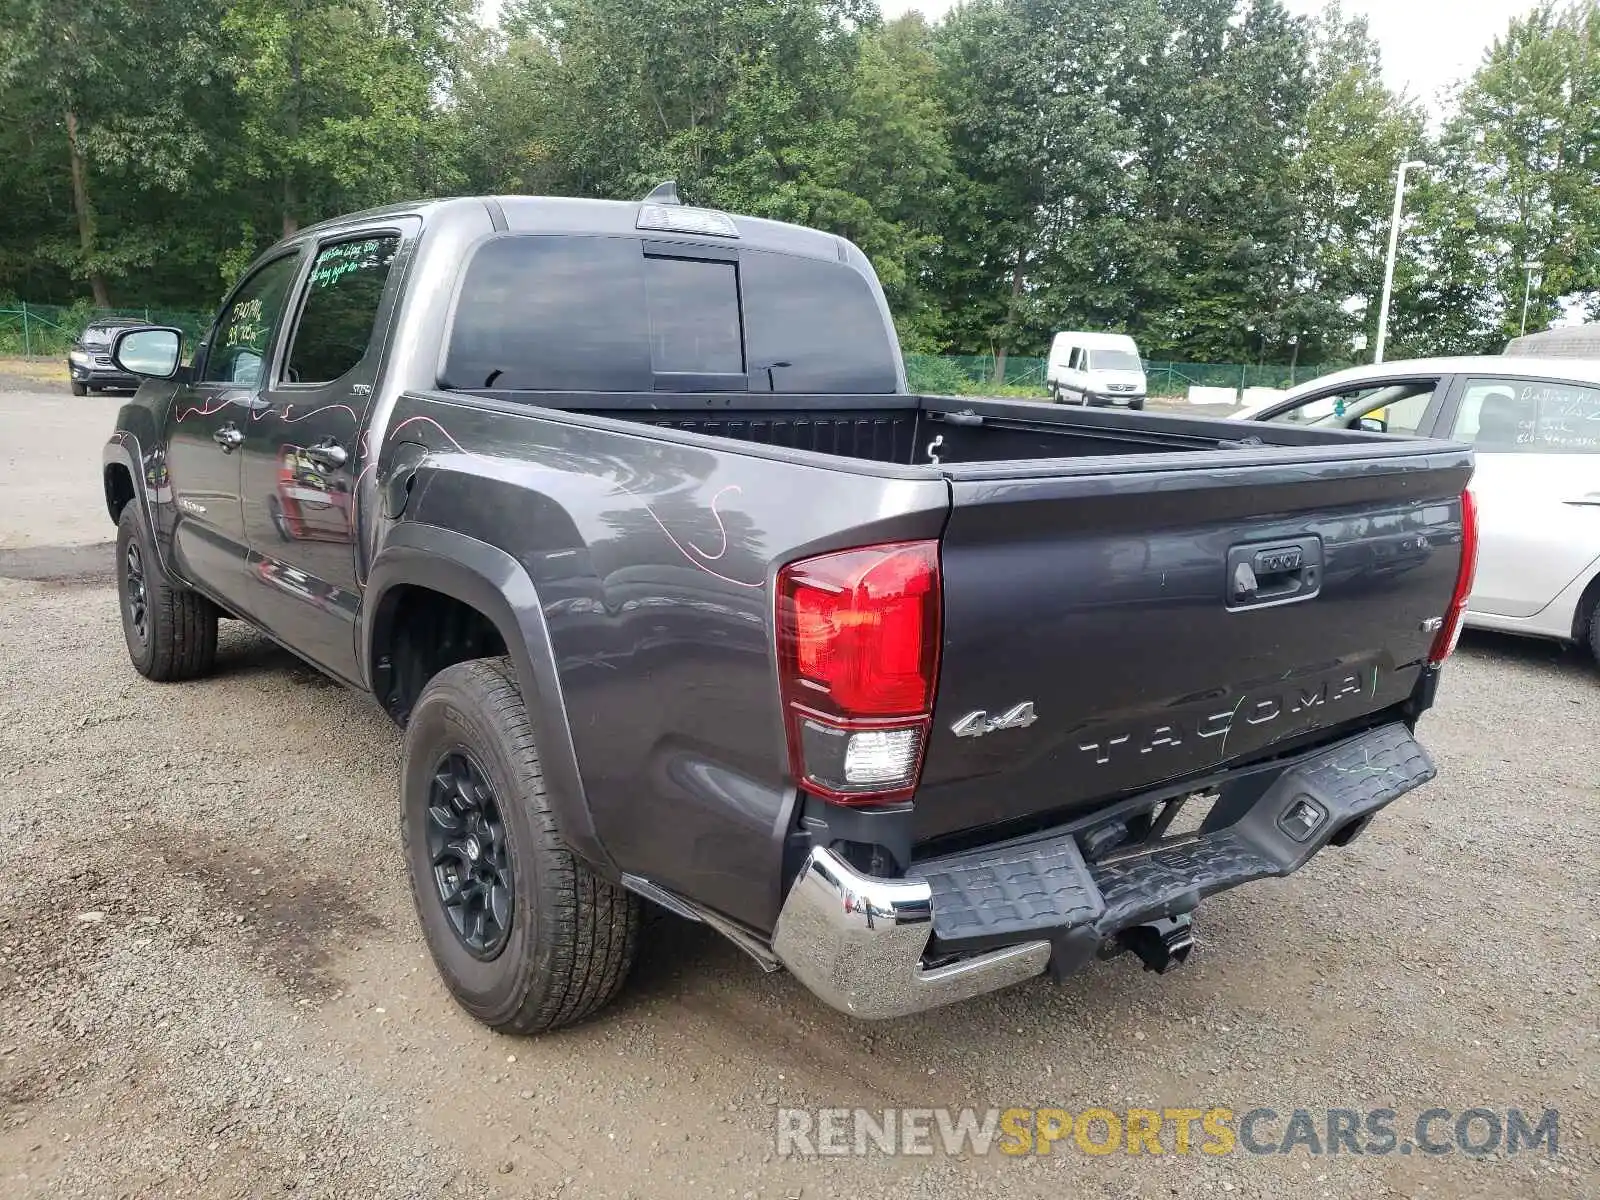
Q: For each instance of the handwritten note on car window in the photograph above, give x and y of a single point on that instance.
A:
(245, 326)
(336, 261)
(1530, 417)
(1559, 417)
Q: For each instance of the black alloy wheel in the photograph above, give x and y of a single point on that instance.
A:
(471, 859)
(137, 598)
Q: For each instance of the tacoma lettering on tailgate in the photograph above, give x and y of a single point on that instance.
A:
(1173, 730)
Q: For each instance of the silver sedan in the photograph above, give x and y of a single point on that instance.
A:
(1535, 424)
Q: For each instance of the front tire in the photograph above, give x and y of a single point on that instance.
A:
(526, 937)
(1594, 631)
(171, 632)
(79, 389)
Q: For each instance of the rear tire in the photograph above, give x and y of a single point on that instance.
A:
(79, 389)
(1594, 631)
(474, 821)
(171, 632)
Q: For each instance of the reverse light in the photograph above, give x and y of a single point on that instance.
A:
(1455, 616)
(858, 653)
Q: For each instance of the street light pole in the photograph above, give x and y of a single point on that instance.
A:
(1394, 245)
(1527, 293)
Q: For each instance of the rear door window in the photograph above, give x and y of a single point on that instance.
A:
(1521, 416)
(340, 309)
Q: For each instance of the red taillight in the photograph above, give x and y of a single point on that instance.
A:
(858, 653)
(1450, 632)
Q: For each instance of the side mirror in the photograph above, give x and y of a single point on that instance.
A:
(1372, 425)
(150, 351)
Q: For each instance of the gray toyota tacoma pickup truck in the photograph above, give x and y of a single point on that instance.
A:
(624, 512)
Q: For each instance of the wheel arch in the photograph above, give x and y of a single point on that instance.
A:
(1583, 612)
(120, 474)
(490, 583)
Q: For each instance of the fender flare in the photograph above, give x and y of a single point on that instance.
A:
(496, 584)
(124, 450)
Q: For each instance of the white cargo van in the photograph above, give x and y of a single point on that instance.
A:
(1095, 368)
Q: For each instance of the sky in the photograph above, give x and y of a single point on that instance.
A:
(1427, 44)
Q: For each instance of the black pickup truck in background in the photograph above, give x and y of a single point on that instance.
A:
(623, 512)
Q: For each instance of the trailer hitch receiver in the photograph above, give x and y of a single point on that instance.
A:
(1161, 945)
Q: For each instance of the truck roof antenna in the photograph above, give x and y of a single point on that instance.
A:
(665, 192)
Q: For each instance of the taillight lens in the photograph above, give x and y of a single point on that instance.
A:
(1450, 632)
(858, 653)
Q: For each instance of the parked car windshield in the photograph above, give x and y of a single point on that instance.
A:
(1114, 360)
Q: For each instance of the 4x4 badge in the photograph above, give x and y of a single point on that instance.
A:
(978, 723)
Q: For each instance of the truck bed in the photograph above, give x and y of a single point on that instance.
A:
(918, 430)
(1091, 564)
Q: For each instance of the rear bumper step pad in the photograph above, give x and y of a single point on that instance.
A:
(1043, 888)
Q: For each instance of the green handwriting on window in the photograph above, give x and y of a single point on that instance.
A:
(335, 262)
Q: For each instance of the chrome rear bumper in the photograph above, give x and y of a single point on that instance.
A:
(857, 942)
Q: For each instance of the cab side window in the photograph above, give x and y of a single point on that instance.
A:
(340, 310)
(238, 349)
(1405, 416)
(1320, 409)
(1399, 407)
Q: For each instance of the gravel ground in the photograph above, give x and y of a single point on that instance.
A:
(211, 983)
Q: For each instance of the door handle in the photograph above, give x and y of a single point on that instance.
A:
(1592, 500)
(328, 453)
(1260, 575)
(228, 437)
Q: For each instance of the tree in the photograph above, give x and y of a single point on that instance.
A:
(1357, 131)
(793, 110)
(1213, 176)
(98, 83)
(337, 98)
(1034, 142)
(1517, 185)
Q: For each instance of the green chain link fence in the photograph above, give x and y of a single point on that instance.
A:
(50, 329)
(962, 375)
(1176, 378)
(947, 374)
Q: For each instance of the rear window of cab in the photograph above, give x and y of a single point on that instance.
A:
(592, 313)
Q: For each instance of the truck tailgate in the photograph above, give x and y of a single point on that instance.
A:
(1109, 597)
